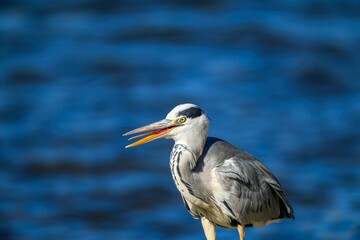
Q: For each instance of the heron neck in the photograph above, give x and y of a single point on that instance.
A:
(195, 146)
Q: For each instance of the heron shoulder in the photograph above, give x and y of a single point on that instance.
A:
(217, 150)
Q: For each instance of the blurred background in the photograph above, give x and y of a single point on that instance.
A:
(279, 79)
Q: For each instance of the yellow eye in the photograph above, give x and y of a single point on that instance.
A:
(182, 119)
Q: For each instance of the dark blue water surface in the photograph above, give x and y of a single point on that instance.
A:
(280, 79)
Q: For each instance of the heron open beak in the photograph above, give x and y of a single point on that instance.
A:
(151, 132)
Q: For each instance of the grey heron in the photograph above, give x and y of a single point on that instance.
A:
(219, 183)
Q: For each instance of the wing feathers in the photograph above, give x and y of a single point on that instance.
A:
(251, 191)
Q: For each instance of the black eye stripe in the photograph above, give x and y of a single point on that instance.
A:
(192, 112)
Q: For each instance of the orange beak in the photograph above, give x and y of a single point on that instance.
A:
(151, 132)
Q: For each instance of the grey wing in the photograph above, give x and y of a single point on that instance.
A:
(248, 192)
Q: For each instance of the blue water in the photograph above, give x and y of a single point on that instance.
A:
(279, 79)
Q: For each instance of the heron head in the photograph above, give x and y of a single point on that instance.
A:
(186, 122)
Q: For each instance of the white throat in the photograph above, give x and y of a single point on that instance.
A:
(194, 141)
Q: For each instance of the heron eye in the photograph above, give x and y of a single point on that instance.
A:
(182, 119)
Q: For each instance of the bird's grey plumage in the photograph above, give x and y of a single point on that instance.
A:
(248, 193)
